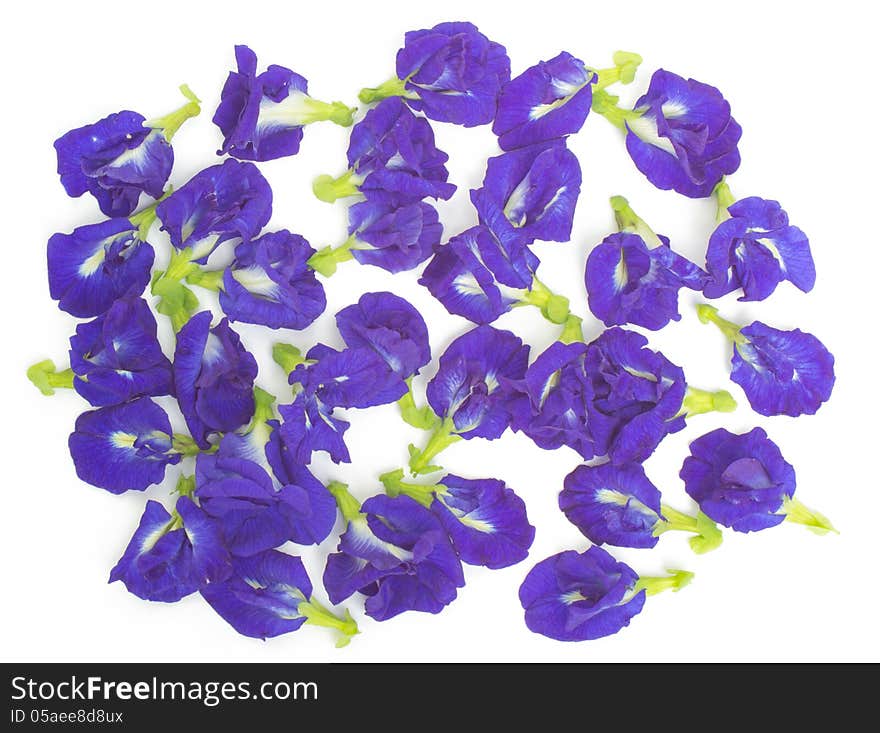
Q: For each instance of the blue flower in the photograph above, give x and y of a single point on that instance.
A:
(486, 521)
(755, 249)
(452, 73)
(553, 403)
(683, 136)
(170, 557)
(262, 597)
(214, 378)
(392, 235)
(578, 596)
(117, 356)
(307, 426)
(637, 395)
(253, 514)
(740, 481)
(399, 555)
(97, 264)
(471, 386)
(229, 201)
(262, 116)
(271, 284)
(390, 326)
(548, 100)
(123, 447)
(782, 372)
(475, 276)
(530, 193)
(615, 505)
(630, 282)
(115, 159)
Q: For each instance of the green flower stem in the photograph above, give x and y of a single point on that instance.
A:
(349, 507)
(624, 70)
(288, 357)
(44, 377)
(186, 486)
(628, 221)
(442, 437)
(423, 418)
(572, 330)
(327, 188)
(422, 493)
(170, 123)
(555, 308)
(143, 220)
(394, 87)
(316, 111)
(318, 615)
(186, 446)
(326, 260)
(176, 300)
(264, 408)
(605, 104)
(708, 535)
(725, 199)
(700, 401)
(709, 314)
(207, 279)
(798, 513)
(675, 581)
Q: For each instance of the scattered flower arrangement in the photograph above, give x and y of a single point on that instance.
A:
(612, 400)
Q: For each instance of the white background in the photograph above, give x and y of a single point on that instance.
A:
(802, 86)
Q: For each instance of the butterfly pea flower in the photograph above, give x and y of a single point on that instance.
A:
(213, 377)
(390, 326)
(96, 264)
(171, 556)
(755, 248)
(634, 276)
(255, 515)
(117, 357)
(451, 72)
(485, 519)
(390, 151)
(270, 594)
(530, 193)
(262, 115)
(124, 447)
(384, 232)
(743, 482)
(397, 553)
(249, 441)
(121, 156)
(575, 596)
(307, 426)
(781, 372)
(271, 284)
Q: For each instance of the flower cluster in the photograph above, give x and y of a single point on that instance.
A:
(247, 491)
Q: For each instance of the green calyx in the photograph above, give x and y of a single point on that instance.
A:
(707, 534)
(328, 189)
(572, 330)
(186, 446)
(186, 485)
(443, 436)
(394, 87)
(314, 110)
(709, 314)
(798, 513)
(628, 221)
(318, 615)
(605, 104)
(725, 198)
(176, 300)
(288, 357)
(555, 308)
(44, 376)
(143, 220)
(700, 401)
(624, 70)
(396, 486)
(170, 123)
(423, 418)
(349, 507)
(327, 259)
(207, 279)
(675, 581)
